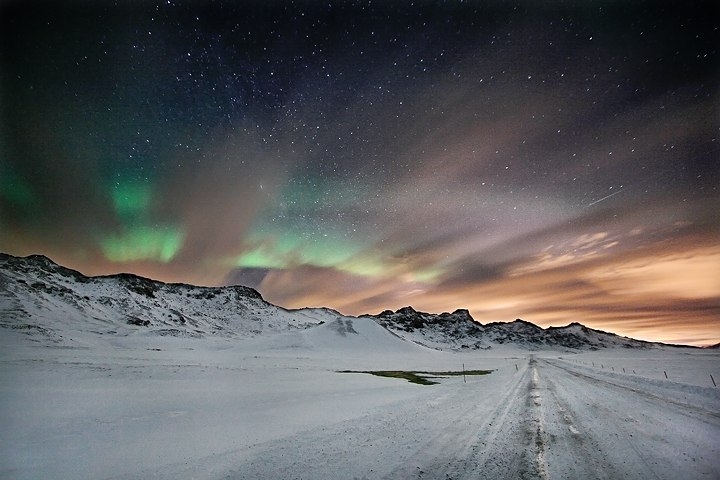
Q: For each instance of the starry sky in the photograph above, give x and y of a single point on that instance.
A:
(554, 163)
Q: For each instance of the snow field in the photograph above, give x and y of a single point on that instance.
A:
(130, 406)
(144, 406)
(683, 365)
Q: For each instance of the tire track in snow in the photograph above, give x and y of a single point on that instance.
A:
(465, 444)
(540, 438)
(507, 443)
(625, 434)
(511, 445)
(573, 450)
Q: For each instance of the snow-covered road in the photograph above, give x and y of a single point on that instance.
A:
(558, 423)
(600, 428)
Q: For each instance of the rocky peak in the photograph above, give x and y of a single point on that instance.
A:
(407, 311)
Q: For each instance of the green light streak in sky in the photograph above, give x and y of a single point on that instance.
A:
(284, 250)
(143, 243)
(141, 238)
(288, 254)
(307, 226)
(366, 267)
(304, 228)
(427, 275)
(131, 200)
(265, 255)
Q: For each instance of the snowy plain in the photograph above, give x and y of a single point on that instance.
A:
(274, 406)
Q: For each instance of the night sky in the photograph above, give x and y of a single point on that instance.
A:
(556, 163)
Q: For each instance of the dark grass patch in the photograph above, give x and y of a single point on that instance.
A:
(420, 378)
(457, 373)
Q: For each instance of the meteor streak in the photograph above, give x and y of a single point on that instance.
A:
(604, 198)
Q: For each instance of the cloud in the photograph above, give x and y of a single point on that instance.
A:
(217, 196)
(587, 270)
(353, 294)
(646, 293)
(248, 277)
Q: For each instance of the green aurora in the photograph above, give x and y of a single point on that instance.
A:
(140, 238)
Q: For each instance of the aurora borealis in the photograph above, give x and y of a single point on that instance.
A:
(557, 163)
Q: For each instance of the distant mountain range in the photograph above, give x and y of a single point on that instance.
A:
(51, 303)
(458, 330)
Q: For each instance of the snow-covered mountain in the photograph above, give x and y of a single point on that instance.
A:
(458, 330)
(43, 299)
(50, 302)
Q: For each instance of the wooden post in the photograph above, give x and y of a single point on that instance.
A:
(711, 378)
(516, 367)
(665, 373)
(464, 381)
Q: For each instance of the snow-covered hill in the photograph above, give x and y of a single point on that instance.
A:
(458, 330)
(356, 335)
(50, 302)
(43, 299)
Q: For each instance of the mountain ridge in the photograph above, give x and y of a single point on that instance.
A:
(41, 298)
(461, 331)
(38, 296)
